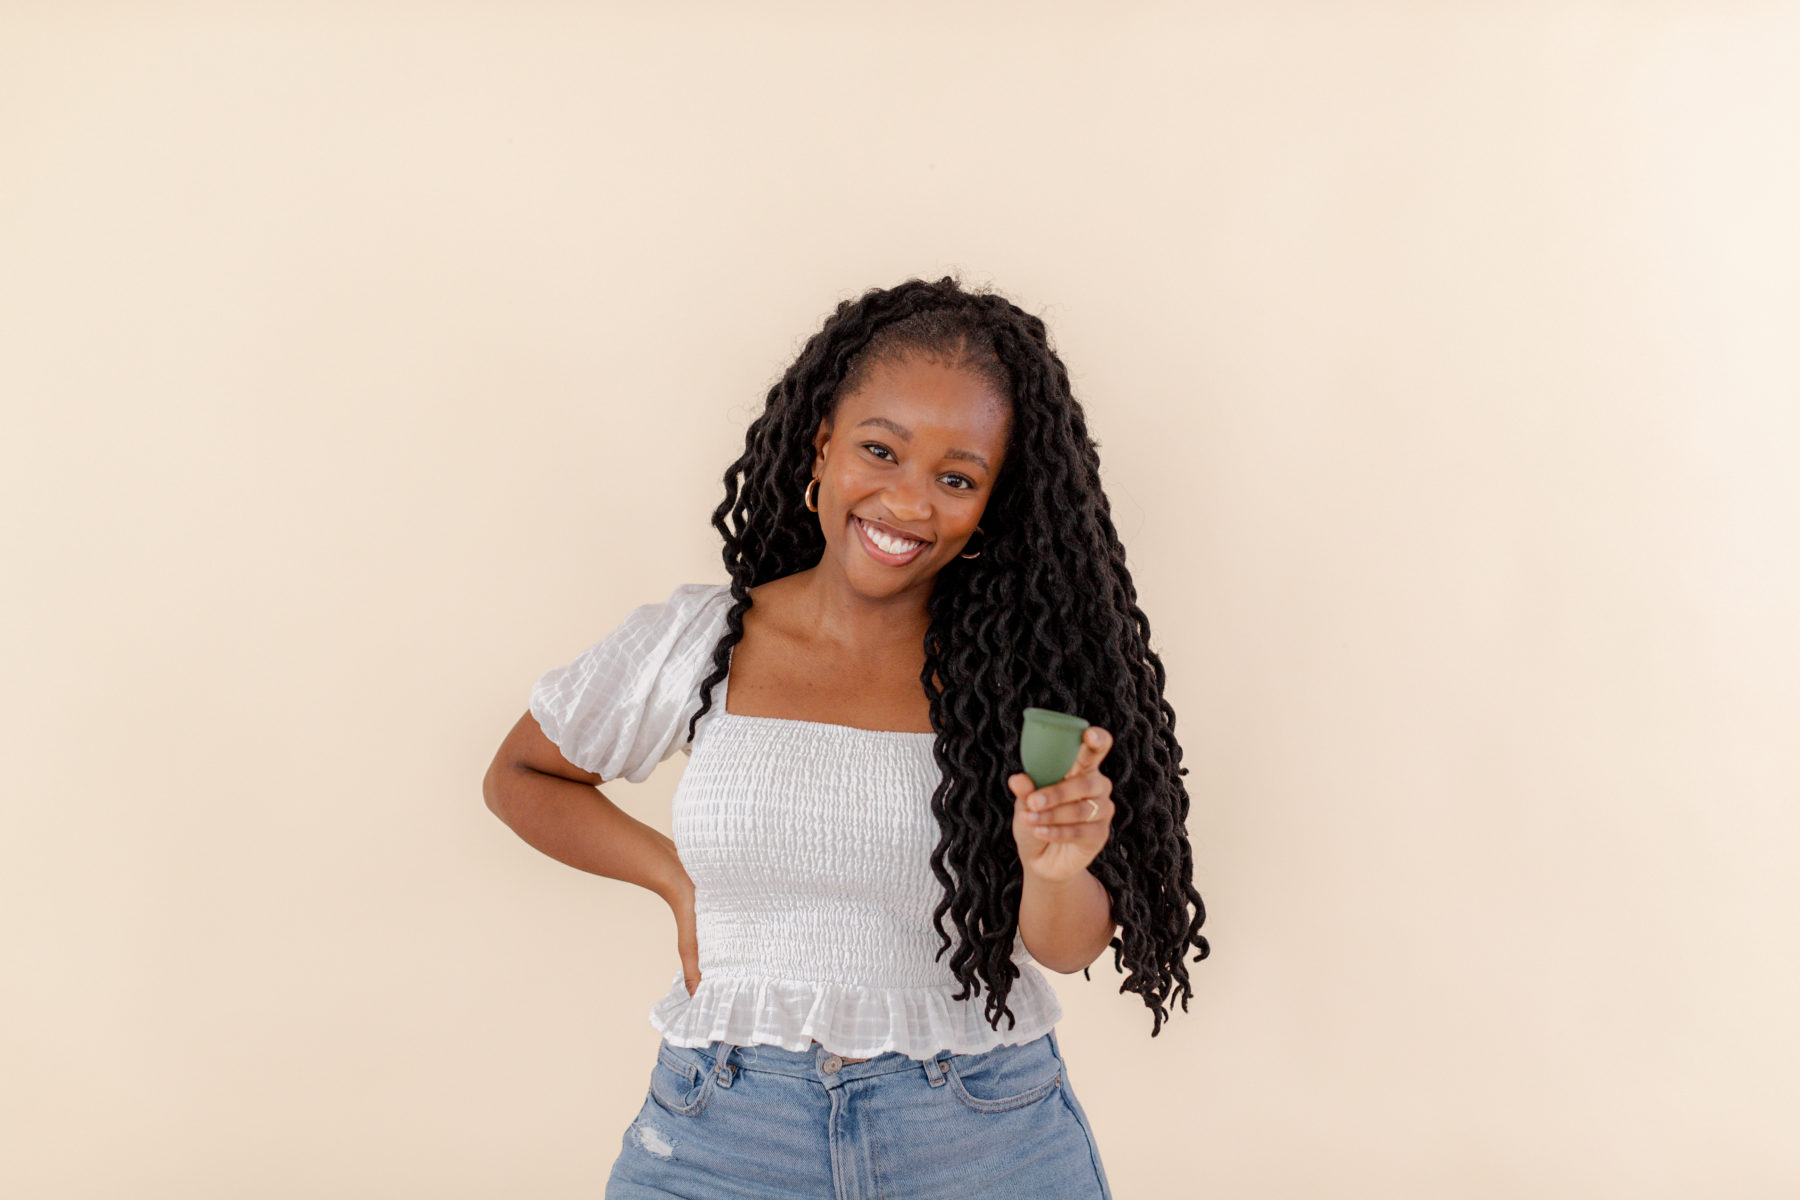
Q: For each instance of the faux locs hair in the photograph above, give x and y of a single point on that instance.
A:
(1046, 616)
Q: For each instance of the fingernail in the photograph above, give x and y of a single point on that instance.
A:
(1035, 800)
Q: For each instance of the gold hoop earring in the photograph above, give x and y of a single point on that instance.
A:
(977, 554)
(811, 495)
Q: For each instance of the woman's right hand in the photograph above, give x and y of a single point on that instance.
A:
(686, 943)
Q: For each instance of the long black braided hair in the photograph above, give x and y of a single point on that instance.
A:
(1046, 616)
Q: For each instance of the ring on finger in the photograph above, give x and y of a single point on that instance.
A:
(1093, 808)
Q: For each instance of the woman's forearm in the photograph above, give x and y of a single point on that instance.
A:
(1065, 926)
(574, 823)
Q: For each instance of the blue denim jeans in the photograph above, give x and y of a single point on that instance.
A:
(725, 1122)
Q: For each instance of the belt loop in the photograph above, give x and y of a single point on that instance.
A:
(722, 1058)
(935, 1068)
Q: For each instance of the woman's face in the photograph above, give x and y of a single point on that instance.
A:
(915, 452)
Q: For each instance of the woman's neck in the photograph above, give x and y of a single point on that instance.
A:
(839, 616)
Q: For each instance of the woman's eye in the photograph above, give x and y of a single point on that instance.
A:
(871, 447)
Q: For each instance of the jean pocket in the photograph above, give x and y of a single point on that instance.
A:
(1004, 1078)
(681, 1079)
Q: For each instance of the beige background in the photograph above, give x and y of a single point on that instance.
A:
(360, 365)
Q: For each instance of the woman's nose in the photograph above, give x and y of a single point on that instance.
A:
(905, 505)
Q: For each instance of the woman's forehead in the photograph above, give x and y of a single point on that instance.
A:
(926, 396)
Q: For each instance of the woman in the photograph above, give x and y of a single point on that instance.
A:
(920, 550)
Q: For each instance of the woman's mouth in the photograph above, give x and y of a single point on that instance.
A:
(902, 553)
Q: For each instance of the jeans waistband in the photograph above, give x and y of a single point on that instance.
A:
(819, 1064)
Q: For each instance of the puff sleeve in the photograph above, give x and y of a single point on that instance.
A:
(623, 705)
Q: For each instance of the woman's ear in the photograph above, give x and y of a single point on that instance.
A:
(820, 441)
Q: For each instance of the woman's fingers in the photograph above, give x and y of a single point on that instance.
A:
(1092, 810)
(1095, 742)
(1080, 796)
(687, 943)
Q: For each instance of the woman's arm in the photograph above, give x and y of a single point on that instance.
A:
(1066, 925)
(557, 808)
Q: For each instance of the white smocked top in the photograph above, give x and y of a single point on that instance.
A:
(809, 846)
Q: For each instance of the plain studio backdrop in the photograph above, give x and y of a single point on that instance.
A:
(363, 362)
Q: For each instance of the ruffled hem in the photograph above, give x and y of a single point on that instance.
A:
(855, 1021)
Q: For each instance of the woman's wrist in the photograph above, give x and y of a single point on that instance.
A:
(672, 881)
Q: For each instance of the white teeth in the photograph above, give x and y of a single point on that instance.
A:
(891, 545)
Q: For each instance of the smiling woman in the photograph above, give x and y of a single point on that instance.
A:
(919, 549)
(919, 499)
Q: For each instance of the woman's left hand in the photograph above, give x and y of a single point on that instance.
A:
(1060, 836)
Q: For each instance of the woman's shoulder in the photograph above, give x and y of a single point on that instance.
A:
(658, 633)
(697, 595)
(695, 611)
(685, 603)
(772, 605)
(702, 608)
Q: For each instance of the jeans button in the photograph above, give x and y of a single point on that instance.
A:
(831, 1064)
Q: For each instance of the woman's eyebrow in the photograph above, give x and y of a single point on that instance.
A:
(907, 434)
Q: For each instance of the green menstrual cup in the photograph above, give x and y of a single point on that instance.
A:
(1048, 744)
